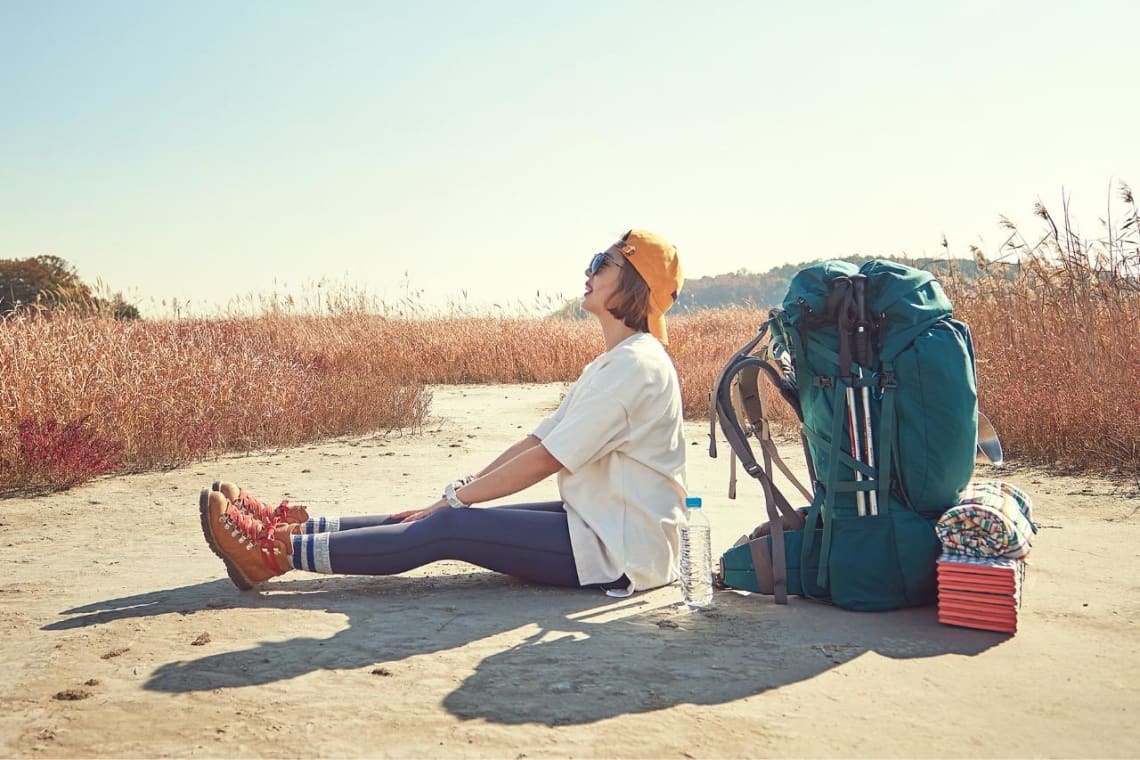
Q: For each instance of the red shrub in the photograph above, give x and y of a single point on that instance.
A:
(64, 455)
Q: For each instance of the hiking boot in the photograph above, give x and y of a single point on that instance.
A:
(249, 547)
(259, 509)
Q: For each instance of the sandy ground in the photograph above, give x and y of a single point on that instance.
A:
(124, 637)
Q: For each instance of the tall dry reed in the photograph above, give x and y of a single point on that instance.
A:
(1056, 325)
(82, 396)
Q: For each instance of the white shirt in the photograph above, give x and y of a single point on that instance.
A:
(619, 436)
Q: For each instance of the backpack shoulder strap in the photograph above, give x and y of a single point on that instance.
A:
(738, 385)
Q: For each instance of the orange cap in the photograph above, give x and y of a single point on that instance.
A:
(655, 259)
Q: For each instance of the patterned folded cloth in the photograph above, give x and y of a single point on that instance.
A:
(992, 519)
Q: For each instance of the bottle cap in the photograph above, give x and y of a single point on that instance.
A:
(693, 502)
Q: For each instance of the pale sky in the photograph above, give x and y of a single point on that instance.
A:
(208, 150)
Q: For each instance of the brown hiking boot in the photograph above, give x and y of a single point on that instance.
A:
(248, 546)
(259, 509)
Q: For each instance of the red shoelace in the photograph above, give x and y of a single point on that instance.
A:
(253, 533)
(262, 511)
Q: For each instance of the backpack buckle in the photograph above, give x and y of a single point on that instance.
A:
(887, 381)
(823, 381)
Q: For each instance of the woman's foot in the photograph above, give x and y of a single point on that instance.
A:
(253, 551)
(259, 509)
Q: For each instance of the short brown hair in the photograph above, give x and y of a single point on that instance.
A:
(630, 303)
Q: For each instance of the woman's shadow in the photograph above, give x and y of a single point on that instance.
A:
(654, 659)
(590, 658)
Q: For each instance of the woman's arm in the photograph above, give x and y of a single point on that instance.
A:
(522, 471)
(525, 444)
(502, 478)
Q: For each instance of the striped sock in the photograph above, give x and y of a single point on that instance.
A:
(311, 552)
(321, 525)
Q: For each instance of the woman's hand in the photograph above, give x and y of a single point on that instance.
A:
(412, 515)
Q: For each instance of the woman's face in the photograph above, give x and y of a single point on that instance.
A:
(602, 281)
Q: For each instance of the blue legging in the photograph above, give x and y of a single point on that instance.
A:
(527, 541)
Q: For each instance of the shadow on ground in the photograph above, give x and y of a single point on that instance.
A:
(589, 657)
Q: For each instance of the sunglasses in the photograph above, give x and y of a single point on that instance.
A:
(601, 259)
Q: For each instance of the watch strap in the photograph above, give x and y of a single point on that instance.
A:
(451, 499)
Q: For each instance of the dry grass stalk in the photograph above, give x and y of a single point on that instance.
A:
(1058, 343)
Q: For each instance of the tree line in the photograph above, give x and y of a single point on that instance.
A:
(50, 283)
(765, 290)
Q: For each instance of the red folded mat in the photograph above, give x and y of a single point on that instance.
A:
(982, 601)
(983, 593)
(981, 583)
(985, 624)
(1000, 567)
(975, 609)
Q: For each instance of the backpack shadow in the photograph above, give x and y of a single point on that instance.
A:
(581, 671)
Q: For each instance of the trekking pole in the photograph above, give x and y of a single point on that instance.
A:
(846, 311)
(856, 453)
(872, 495)
(863, 359)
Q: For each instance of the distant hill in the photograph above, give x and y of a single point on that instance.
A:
(766, 290)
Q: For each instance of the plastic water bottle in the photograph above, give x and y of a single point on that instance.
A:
(696, 555)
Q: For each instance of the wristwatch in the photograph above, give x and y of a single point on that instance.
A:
(453, 500)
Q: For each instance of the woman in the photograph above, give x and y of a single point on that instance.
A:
(616, 443)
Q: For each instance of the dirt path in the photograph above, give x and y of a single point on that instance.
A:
(125, 639)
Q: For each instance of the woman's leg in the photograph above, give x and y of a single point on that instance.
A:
(532, 544)
(334, 524)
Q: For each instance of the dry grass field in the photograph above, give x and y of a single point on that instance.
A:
(1057, 340)
(86, 396)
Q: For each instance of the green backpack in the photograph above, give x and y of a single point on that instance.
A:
(882, 379)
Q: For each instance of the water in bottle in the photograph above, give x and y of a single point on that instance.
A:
(696, 556)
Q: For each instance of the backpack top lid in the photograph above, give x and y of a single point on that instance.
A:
(905, 301)
(811, 285)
